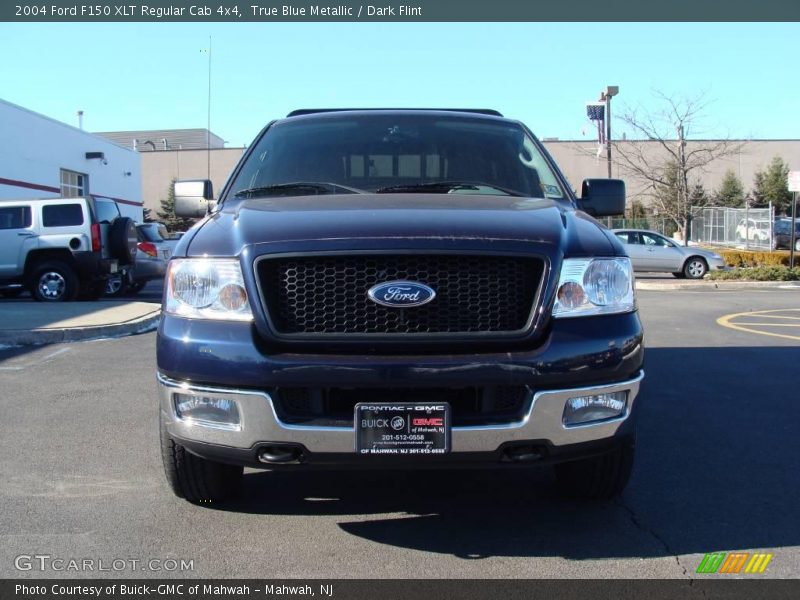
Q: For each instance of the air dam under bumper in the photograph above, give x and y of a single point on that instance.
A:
(260, 423)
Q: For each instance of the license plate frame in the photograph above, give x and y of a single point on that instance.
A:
(402, 428)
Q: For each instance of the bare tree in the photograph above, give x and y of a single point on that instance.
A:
(664, 160)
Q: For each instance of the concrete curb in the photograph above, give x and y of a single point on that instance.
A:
(713, 285)
(38, 337)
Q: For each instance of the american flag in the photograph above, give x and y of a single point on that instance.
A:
(596, 111)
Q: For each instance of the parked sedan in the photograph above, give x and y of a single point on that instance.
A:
(152, 253)
(651, 251)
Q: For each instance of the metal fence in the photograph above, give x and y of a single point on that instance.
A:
(749, 228)
(661, 225)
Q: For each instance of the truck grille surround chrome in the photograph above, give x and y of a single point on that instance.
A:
(328, 294)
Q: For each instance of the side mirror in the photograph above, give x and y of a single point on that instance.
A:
(603, 197)
(193, 198)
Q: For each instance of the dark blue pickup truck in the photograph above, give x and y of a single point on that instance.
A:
(398, 288)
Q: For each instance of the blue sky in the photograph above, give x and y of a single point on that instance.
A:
(154, 75)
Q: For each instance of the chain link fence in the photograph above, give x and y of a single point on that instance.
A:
(748, 228)
(663, 226)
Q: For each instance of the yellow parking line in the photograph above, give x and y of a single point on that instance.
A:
(728, 321)
(773, 324)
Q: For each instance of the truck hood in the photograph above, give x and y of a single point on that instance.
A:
(401, 218)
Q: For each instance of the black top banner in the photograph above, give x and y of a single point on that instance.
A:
(399, 11)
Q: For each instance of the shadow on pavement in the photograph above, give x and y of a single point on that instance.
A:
(717, 468)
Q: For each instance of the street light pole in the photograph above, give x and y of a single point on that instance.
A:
(610, 92)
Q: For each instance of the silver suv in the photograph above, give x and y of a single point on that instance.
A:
(61, 247)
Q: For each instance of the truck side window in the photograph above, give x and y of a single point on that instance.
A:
(62, 215)
(15, 217)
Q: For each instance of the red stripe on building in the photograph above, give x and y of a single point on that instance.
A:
(120, 200)
(54, 190)
(30, 186)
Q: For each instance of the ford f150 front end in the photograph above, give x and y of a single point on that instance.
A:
(398, 288)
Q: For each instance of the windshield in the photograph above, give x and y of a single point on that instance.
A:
(396, 153)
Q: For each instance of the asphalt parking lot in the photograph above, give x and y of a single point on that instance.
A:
(717, 470)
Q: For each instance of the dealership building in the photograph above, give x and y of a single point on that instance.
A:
(44, 158)
(183, 154)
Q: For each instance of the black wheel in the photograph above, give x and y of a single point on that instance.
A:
(53, 281)
(196, 479)
(600, 477)
(123, 240)
(679, 275)
(695, 268)
(116, 286)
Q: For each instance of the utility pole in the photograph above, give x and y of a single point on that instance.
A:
(208, 126)
(610, 92)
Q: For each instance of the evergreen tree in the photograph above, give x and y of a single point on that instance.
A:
(167, 213)
(771, 185)
(698, 196)
(730, 192)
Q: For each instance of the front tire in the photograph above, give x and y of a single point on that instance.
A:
(196, 479)
(695, 268)
(600, 477)
(53, 281)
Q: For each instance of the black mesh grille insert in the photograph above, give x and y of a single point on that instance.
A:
(328, 294)
(329, 407)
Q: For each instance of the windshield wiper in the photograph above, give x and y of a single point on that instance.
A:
(442, 187)
(313, 187)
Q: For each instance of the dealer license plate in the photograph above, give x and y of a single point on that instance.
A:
(402, 428)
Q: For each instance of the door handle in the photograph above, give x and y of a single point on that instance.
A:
(26, 233)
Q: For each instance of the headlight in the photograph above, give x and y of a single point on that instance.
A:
(207, 288)
(594, 286)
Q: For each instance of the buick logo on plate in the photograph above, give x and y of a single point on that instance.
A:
(400, 294)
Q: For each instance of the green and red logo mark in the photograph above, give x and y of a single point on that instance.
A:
(734, 562)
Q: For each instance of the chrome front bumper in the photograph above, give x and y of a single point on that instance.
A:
(260, 422)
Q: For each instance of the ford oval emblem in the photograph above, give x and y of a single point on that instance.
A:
(401, 294)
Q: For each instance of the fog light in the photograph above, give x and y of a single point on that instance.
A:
(597, 407)
(208, 411)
